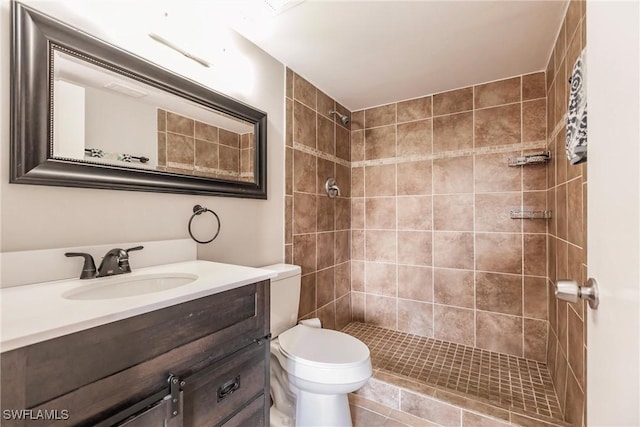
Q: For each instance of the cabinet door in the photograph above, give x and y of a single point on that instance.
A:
(158, 415)
(214, 394)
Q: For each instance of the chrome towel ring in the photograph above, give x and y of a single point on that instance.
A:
(197, 210)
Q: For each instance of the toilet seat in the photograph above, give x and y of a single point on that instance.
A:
(324, 356)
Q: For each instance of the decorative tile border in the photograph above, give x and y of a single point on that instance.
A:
(457, 153)
(318, 153)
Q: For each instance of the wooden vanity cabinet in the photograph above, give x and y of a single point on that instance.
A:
(215, 349)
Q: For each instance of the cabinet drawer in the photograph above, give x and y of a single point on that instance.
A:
(213, 394)
(251, 415)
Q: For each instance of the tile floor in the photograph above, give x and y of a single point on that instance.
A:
(503, 380)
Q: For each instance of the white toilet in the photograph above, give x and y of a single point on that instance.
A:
(312, 369)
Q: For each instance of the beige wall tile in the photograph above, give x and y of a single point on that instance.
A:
(307, 295)
(380, 142)
(430, 409)
(343, 244)
(534, 120)
(499, 293)
(493, 175)
(325, 250)
(535, 297)
(304, 172)
(228, 138)
(324, 103)
(380, 311)
(499, 252)
(453, 287)
(304, 125)
(414, 213)
(535, 339)
(325, 213)
(229, 158)
(453, 212)
(453, 175)
(453, 101)
(380, 180)
(343, 312)
(498, 126)
(414, 109)
(180, 124)
(380, 213)
(498, 332)
(325, 286)
(380, 116)
(414, 248)
(206, 132)
(497, 93)
(381, 279)
(453, 324)
(206, 154)
(357, 146)
(303, 91)
(180, 149)
(535, 254)
(415, 317)
(381, 246)
(414, 139)
(343, 144)
(453, 132)
(453, 250)
(304, 252)
(415, 283)
(492, 212)
(304, 213)
(326, 135)
(533, 86)
(414, 178)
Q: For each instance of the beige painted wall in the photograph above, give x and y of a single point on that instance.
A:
(40, 217)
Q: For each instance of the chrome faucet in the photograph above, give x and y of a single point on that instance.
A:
(116, 261)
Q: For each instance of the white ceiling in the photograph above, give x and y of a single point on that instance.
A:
(368, 53)
(362, 53)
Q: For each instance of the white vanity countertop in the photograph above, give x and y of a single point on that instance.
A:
(38, 312)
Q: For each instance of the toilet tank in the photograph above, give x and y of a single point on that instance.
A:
(285, 297)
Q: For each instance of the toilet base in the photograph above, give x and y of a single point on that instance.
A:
(322, 410)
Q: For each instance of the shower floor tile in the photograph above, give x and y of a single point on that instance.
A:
(503, 380)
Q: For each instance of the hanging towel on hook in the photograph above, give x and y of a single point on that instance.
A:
(576, 144)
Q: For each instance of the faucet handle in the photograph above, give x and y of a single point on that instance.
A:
(137, 248)
(89, 267)
(123, 261)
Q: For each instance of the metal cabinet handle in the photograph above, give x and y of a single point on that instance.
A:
(569, 290)
(228, 388)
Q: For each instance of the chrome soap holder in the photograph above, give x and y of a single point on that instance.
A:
(529, 214)
(532, 159)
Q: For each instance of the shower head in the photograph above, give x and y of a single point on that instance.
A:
(344, 119)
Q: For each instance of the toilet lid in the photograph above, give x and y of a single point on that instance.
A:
(316, 346)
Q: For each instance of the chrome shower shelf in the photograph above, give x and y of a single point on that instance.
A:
(521, 214)
(532, 159)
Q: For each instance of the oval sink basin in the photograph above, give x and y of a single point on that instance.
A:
(121, 287)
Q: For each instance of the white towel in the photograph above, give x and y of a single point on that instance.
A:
(576, 144)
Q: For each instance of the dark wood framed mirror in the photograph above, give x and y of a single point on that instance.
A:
(78, 106)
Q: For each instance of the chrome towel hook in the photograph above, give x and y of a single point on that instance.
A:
(198, 210)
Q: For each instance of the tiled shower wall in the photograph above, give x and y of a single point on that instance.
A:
(434, 251)
(567, 192)
(317, 228)
(189, 146)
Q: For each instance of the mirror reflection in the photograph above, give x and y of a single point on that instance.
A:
(104, 117)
